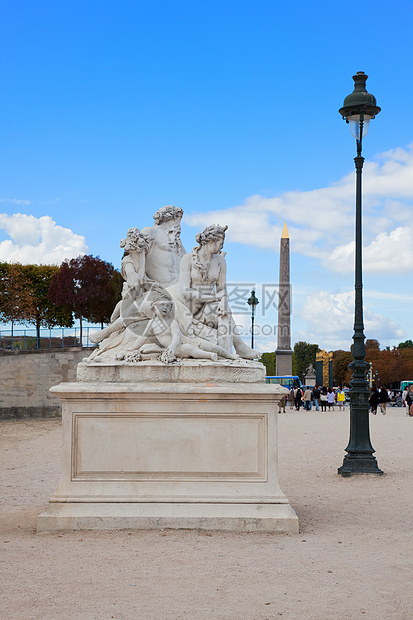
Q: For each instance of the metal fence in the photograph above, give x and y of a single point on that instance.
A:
(25, 339)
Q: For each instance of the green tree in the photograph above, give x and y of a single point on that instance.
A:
(407, 344)
(16, 298)
(304, 355)
(341, 371)
(23, 297)
(46, 313)
(269, 361)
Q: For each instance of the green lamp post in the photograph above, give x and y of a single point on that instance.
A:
(358, 109)
(252, 302)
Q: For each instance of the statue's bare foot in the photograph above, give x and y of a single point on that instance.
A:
(212, 356)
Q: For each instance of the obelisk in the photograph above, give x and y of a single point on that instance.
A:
(284, 352)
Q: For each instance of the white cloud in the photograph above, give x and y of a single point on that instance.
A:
(15, 201)
(387, 253)
(38, 240)
(330, 321)
(321, 222)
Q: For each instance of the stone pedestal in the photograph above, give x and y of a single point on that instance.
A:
(169, 455)
(283, 363)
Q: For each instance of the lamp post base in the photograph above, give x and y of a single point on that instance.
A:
(355, 464)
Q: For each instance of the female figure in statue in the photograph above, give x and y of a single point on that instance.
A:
(201, 296)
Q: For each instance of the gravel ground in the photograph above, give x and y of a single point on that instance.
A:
(352, 559)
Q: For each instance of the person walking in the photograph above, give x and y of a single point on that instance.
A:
(307, 399)
(383, 399)
(409, 400)
(331, 397)
(282, 403)
(341, 398)
(404, 401)
(374, 400)
(291, 398)
(323, 398)
(297, 398)
(316, 397)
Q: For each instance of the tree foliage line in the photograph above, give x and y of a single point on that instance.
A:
(50, 296)
(389, 366)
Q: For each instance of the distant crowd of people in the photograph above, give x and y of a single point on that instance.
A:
(322, 397)
(317, 397)
(380, 397)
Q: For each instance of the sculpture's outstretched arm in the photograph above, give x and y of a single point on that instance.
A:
(133, 277)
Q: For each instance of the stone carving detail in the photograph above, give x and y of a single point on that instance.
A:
(174, 305)
(284, 340)
(285, 262)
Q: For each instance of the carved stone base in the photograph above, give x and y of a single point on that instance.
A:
(169, 456)
(187, 371)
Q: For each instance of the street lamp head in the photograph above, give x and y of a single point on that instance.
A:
(359, 107)
(253, 301)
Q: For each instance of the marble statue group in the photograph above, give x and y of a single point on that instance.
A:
(174, 304)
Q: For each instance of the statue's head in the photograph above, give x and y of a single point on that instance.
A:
(169, 212)
(211, 233)
(134, 241)
(156, 302)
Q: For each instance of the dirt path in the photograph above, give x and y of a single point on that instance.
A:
(352, 559)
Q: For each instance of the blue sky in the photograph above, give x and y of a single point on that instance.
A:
(229, 110)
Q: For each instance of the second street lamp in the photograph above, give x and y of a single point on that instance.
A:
(252, 302)
(358, 109)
